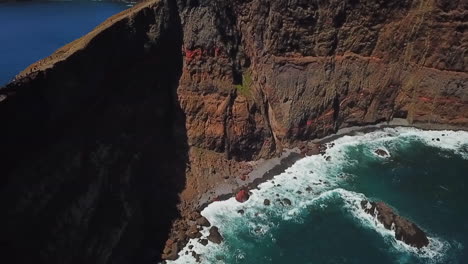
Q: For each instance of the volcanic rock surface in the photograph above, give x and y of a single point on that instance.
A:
(108, 140)
(405, 230)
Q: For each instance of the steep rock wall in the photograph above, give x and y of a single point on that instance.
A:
(94, 145)
(211, 84)
(262, 75)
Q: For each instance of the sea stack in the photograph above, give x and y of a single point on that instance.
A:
(405, 230)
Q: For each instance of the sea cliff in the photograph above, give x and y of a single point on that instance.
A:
(115, 136)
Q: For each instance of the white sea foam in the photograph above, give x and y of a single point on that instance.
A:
(433, 253)
(324, 177)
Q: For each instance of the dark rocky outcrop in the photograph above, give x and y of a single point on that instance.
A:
(94, 148)
(215, 236)
(202, 221)
(405, 230)
(99, 139)
(381, 153)
(193, 232)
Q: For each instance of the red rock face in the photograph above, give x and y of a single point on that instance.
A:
(246, 79)
(317, 68)
(268, 74)
(242, 196)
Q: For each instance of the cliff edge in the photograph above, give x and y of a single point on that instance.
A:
(112, 137)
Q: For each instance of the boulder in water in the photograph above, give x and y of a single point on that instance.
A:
(405, 230)
(204, 242)
(215, 236)
(382, 153)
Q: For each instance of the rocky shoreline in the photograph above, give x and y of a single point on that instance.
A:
(267, 170)
(171, 105)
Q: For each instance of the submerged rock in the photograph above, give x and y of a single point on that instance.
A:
(405, 230)
(381, 153)
(242, 196)
(196, 256)
(215, 236)
(287, 201)
(266, 202)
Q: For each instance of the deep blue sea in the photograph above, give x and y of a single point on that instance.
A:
(33, 30)
(425, 179)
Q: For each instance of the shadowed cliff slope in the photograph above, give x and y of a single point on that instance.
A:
(94, 147)
(96, 137)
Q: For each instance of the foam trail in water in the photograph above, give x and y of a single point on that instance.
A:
(324, 179)
(434, 253)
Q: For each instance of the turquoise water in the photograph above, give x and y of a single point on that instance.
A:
(33, 30)
(424, 180)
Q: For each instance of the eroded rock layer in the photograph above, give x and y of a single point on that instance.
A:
(176, 97)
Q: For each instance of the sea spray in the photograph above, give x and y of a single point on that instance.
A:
(315, 182)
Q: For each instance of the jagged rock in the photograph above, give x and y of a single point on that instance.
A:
(405, 230)
(382, 153)
(181, 236)
(215, 236)
(193, 216)
(242, 196)
(193, 232)
(171, 254)
(202, 221)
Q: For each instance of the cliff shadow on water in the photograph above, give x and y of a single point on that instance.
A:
(94, 147)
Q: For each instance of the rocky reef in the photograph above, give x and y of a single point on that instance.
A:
(405, 230)
(114, 136)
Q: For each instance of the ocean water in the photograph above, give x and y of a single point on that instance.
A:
(425, 179)
(31, 31)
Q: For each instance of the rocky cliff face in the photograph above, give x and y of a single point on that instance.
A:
(97, 136)
(94, 145)
(262, 75)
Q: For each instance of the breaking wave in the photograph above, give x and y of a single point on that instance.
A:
(314, 182)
